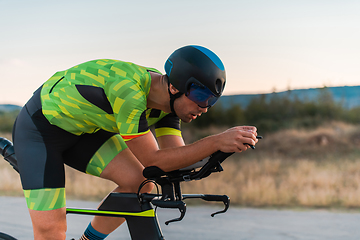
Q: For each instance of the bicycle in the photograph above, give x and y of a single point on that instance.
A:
(138, 208)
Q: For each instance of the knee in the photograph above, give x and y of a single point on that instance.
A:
(50, 231)
(147, 187)
(134, 187)
(49, 224)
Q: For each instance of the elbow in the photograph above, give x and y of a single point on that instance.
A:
(150, 159)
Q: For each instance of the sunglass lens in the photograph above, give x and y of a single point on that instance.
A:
(202, 96)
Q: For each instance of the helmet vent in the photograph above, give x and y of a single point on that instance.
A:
(218, 86)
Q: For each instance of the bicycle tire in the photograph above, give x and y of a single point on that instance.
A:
(4, 236)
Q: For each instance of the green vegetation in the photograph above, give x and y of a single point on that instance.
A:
(7, 120)
(273, 113)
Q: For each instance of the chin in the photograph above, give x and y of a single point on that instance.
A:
(186, 120)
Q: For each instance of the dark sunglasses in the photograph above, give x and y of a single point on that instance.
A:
(201, 95)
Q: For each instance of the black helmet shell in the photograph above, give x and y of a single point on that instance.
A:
(195, 64)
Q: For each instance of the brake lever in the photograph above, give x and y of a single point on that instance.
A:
(218, 198)
(211, 198)
(172, 204)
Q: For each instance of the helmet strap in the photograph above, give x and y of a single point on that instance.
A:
(173, 97)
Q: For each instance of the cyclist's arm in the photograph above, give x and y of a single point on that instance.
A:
(170, 141)
(168, 132)
(146, 149)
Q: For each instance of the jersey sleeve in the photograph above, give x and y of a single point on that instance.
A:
(128, 102)
(168, 125)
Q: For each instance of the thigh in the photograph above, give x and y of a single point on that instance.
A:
(94, 151)
(105, 154)
(125, 170)
(38, 147)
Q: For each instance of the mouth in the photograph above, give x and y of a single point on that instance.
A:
(194, 116)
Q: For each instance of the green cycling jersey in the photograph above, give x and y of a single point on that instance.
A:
(104, 94)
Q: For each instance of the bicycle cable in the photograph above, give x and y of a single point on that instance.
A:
(143, 184)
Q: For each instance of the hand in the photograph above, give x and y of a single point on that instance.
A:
(236, 139)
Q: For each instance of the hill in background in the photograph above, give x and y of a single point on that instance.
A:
(9, 107)
(347, 96)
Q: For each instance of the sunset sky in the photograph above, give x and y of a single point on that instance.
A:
(265, 45)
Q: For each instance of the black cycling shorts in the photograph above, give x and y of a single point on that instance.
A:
(42, 149)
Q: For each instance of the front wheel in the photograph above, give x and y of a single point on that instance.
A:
(4, 236)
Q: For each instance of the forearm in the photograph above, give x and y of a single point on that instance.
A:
(146, 149)
(170, 159)
(171, 156)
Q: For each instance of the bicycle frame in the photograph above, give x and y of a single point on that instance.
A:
(140, 216)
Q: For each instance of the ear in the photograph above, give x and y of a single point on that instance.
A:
(173, 90)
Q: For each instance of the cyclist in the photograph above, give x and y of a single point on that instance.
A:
(95, 117)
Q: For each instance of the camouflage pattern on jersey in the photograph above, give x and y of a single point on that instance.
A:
(126, 86)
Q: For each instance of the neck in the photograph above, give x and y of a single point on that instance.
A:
(158, 96)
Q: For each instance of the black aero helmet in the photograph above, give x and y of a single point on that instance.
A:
(192, 67)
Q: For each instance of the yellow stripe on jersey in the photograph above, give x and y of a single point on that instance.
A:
(120, 84)
(90, 75)
(164, 131)
(117, 105)
(118, 71)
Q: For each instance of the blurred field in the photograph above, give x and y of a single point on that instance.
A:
(309, 168)
(289, 168)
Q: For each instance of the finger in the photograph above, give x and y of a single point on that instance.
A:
(250, 141)
(250, 135)
(246, 133)
(250, 128)
(249, 145)
(242, 147)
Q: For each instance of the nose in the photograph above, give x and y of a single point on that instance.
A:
(203, 110)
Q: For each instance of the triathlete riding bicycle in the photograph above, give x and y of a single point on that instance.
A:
(95, 117)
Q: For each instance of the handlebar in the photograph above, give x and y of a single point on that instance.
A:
(211, 198)
(172, 204)
(7, 150)
(213, 165)
(171, 196)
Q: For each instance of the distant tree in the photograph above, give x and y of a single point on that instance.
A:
(7, 120)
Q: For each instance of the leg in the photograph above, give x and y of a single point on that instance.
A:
(39, 146)
(126, 171)
(106, 155)
(49, 224)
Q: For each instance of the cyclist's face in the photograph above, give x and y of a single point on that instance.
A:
(187, 110)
